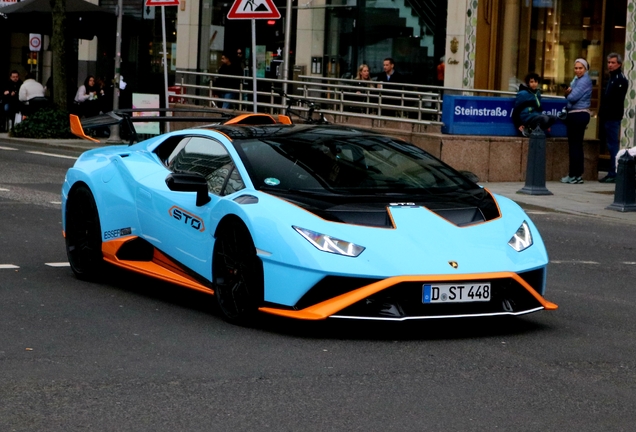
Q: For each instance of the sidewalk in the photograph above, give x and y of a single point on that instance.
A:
(588, 199)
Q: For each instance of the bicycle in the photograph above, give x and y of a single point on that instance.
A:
(307, 116)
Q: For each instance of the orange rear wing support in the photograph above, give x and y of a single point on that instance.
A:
(78, 130)
(257, 119)
(284, 119)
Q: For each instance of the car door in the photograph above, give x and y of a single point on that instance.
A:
(171, 220)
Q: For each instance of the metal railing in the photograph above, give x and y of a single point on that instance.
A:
(336, 97)
(388, 101)
(399, 102)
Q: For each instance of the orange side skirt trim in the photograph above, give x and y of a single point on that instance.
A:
(161, 267)
(329, 307)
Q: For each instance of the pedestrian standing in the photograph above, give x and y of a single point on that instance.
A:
(364, 81)
(611, 111)
(363, 73)
(226, 85)
(441, 68)
(240, 59)
(10, 97)
(579, 96)
(390, 75)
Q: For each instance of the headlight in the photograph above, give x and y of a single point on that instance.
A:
(330, 244)
(522, 239)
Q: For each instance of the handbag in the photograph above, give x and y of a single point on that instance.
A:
(17, 119)
(563, 114)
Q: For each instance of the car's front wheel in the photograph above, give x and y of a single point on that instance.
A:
(83, 234)
(237, 272)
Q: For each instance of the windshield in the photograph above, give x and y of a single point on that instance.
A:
(357, 164)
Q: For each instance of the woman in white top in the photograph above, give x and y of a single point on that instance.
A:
(87, 96)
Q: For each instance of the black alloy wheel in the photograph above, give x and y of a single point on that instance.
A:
(237, 273)
(83, 234)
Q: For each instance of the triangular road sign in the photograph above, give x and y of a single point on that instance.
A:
(162, 3)
(253, 9)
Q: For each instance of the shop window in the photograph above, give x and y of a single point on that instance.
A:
(557, 33)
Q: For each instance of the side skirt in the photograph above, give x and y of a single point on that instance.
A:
(160, 266)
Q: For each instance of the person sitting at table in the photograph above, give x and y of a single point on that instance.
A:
(31, 95)
(87, 98)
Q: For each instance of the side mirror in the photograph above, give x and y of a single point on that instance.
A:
(190, 182)
(470, 176)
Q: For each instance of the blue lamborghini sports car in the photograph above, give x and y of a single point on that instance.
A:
(304, 221)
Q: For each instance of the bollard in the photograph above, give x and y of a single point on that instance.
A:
(535, 170)
(625, 192)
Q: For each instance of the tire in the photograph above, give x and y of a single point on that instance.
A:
(238, 273)
(83, 234)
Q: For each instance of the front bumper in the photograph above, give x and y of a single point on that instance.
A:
(400, 299)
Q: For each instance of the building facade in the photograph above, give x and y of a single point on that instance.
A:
(486, 44)
(493, 44)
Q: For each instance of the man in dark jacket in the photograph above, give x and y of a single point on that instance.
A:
(9, 96)
(390, 75)
(527, 113)
(228, 67)
(611, 111)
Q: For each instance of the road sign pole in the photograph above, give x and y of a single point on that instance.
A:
(254, 90)
(288, 18)
(114, 129)
(264, 9)
(165, 61)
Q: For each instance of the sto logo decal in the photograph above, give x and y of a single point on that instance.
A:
(187, 218)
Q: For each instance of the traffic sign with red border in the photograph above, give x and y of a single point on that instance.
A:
(253, 9)
(35, 42)
(162, 3)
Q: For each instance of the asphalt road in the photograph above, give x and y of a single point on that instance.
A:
(134, 354)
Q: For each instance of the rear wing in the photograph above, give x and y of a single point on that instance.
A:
(126, 117)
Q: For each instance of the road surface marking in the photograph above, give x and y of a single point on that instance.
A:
(57, 264)
(52, 155)
(574, 262)
(8, 266)
(8, 148)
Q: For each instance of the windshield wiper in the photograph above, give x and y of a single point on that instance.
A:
(290, 190)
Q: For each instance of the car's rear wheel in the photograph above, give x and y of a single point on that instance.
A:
(237, 272)
(83, 234)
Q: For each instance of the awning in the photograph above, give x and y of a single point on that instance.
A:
(84, 20)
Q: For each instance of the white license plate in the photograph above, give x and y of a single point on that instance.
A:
(456, 293)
